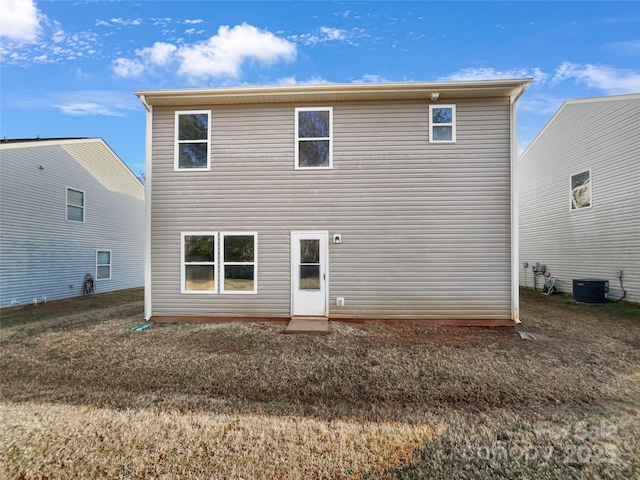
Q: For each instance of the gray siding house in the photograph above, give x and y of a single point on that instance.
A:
(69, 207)
(579, 185)
(360, 201)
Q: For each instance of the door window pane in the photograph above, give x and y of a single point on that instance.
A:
(309, 277)
(309, 251)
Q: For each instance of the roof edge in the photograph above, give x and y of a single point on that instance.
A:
(281, 93)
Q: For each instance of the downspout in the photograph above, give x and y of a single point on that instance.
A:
(515, 243)
(147, 210)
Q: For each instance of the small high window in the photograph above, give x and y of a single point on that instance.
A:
(75, 205)
(192, 143)
(442, 123)
(581, 190)
(239, 263)
(103, 264)
(198, 272)
(314, 137)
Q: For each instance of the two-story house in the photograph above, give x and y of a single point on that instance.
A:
(71, 211)
(359, 201)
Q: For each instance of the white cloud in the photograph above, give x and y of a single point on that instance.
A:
(223, 54)
(311, 81)
(81, 109)
(539, 103)
(371, 78)
(630, 48)
(194, 22)
(160, 53)
(126, 23)
(20, 20)
(602, 77)
(123, 67)
(468, 74)
(323, 35)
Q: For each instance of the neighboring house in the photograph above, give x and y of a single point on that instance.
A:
(69, 208)
(360, 201)
(579, 185)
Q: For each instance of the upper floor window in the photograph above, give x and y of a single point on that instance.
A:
(192, 143)
(103, 264)
(442, 123)
(75, 205)
(581, 190)
(314, 137)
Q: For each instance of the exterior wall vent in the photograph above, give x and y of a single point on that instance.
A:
(590, 290)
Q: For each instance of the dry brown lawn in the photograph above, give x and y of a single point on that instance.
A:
(84, 397)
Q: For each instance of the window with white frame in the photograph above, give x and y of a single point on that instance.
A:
(442, 123)
(192, 142)
(103, 264)
(75, 205)
(239, 273)
(314, 137)
(198, 259)
(580, 189)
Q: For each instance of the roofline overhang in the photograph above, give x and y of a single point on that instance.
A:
(334, 92)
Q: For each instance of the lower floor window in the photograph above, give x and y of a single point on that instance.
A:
(237, 260)
(103, 264)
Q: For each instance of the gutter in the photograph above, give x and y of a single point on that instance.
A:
(147, 209)
(515, 206)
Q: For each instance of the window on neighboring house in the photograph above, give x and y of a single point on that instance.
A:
(198, 272)
(75, 205)
(103, 264)
(442, 123)
(239, 262)
(581, 190)
(314, 137)
(192, 144)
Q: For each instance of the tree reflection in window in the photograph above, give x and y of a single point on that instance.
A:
(193, 140)
(314, 137)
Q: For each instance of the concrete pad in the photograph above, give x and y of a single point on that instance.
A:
(307, 325)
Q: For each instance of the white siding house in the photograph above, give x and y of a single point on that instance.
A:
(579, 184)
(377, 201)
(69, 207)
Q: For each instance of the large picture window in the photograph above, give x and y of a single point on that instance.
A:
(103, 264)
(75, 205)
(581, 190)
(239, 273)
(192, 142)
(314, 137)
(442, 123)
(198, 272)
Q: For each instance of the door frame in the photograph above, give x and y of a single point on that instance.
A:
(323, 236)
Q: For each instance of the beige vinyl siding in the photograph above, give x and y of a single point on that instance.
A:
(598, 134)
(425, 227)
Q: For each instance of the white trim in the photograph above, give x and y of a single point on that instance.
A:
(67, 205)
(110, 264)
(298, 139)
(452, 124)
(222, 263)
(214, 263)
(576, 209)
(177, 142)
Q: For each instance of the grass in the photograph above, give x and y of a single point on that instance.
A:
(83, 396)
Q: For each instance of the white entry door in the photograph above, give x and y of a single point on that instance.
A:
(309, 275)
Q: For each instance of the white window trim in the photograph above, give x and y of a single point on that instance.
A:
(452, 124)
(176, 142)
(67, 204)
(571, 209)
(223, 264)
(214, 263)
(100, 250)
(297, 139)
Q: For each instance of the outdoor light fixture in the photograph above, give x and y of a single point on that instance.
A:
(434, 96)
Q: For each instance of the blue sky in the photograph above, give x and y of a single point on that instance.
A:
(69, 68)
